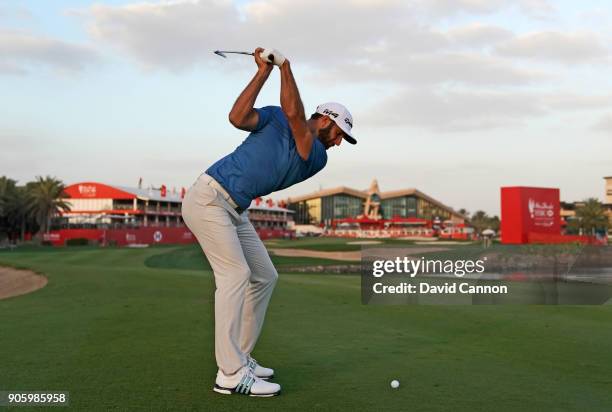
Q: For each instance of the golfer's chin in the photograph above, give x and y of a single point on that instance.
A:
(327, 144)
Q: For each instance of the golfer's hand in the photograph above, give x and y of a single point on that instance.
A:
(262, 65)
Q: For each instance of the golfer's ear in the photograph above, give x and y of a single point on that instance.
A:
(325, 121)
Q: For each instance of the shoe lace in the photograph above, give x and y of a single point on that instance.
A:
(252, 363)
(251, 373)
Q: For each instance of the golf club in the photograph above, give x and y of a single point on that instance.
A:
(222, 53)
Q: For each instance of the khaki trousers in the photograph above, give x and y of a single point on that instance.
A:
(244, 274)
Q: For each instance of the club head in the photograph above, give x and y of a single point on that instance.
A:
(220, 53)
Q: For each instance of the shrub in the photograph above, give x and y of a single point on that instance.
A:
(77, 241)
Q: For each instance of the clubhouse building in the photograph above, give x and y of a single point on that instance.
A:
(344, 211)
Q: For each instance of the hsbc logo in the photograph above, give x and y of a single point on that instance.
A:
(157, 236)
(87, 190)
(542, 213)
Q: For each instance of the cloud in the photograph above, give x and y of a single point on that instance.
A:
(17, 143)
(17, 146)
(11, 68)
(175, 34)
(181, 33)
(576, 47)
(445, 8)
(604, 124)
(443, 110)
(452, 7)
(453, 111)
(344, 31)
(394, 45)
(478, 35)
(14, 12)
(178, 34)
(541, 9)
(445, 79)
(19, 51)
(445, 67)
(574, 102)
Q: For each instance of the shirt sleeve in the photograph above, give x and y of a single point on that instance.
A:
(265, 113)
(317, 159)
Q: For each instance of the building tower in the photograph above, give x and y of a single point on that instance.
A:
(371, 209)
(608, 190)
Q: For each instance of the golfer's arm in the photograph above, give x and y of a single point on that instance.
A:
(242, 115)
(292, 106)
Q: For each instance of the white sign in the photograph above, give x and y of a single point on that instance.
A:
(157, 236)
(87, 190)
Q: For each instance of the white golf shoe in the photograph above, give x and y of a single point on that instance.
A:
(245, 382)
(260, 371)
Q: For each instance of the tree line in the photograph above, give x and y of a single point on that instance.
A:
(480, 220)
(29, 208)
(590, 219)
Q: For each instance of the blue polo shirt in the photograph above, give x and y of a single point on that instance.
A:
(267, 160)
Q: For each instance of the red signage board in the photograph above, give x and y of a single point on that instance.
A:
(123, 237)
(529, 210)
(142, 235)
(90, 190)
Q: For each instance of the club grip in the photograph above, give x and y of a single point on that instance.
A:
(273, 56)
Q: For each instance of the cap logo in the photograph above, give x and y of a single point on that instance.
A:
(329, 112)
(347, 121)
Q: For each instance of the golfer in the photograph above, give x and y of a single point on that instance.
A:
(282, 149)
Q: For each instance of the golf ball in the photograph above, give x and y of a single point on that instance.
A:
(395, 384)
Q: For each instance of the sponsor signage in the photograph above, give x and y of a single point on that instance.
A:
(87, 190)
(529, 210)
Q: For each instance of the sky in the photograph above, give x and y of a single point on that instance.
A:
(453, 97)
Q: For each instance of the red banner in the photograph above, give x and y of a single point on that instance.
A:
(123, 237)
(140, 236)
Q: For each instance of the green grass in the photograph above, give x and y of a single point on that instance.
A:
(131, 329)
(192, 258)
(329, 244)
(313, 243)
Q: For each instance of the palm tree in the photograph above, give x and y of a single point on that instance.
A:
(18, 212)
(7, 189)
(479, 221)
(494, 223)
(46, 199)
(590, 218)
(7, 186)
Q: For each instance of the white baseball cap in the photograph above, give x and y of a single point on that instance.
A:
(341, 116)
